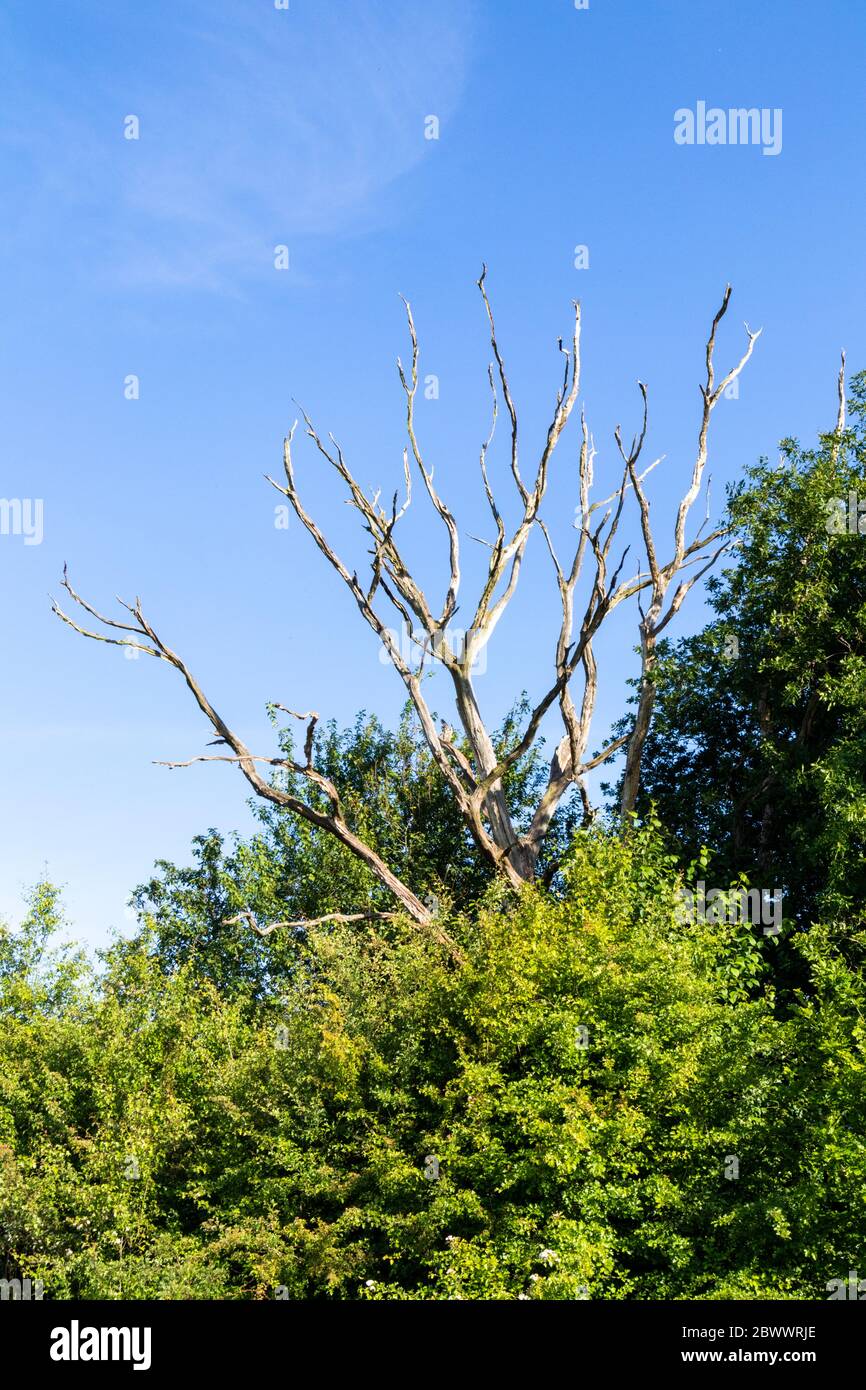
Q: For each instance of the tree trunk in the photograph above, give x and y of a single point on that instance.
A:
(646, 701)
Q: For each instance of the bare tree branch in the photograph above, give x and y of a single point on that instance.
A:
(305, 922)
(654, 620)
(473, 768)
(332, 822)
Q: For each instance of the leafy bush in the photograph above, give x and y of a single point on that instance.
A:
(553, 1117)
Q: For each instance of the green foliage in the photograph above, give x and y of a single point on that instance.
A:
(551, 1118)
(33, 976)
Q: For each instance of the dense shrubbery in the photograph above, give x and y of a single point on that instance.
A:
(161, 1138)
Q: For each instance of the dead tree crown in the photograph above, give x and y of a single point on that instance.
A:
(472, 767)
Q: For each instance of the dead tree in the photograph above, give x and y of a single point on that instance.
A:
(473, 768)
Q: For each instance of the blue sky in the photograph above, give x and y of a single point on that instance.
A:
(261, 127)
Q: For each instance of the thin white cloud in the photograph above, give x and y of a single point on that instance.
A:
(258, 126)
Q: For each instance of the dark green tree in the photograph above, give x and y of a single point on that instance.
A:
(758, 744)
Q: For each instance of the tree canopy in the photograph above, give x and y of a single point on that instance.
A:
(758, 744)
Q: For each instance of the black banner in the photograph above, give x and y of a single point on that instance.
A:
(83, 1340)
